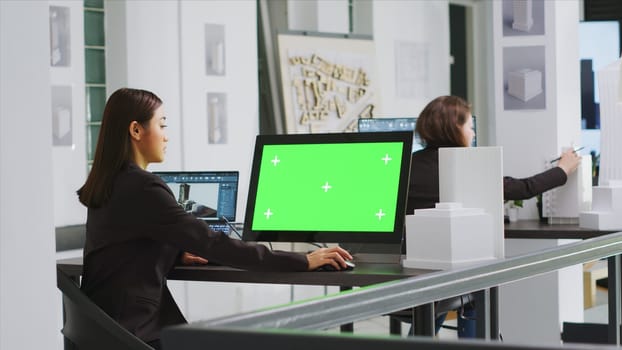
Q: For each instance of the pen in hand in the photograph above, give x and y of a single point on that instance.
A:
(575, 151)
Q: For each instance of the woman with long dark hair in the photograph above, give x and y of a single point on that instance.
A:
(136, 232)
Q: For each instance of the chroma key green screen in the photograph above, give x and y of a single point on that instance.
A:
(314, 187)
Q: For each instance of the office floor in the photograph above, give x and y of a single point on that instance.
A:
(598, 313)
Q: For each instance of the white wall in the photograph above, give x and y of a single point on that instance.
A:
(67, 208)
(150, 57)
(530, 137)
(27, 264)
(425, 23)
(240, 84)
(162, 49)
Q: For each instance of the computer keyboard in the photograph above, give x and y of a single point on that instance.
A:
(223, 227)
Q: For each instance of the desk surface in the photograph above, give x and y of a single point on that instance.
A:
(536, 229)
(362, 275)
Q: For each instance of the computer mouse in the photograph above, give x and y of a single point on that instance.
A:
(328, 267)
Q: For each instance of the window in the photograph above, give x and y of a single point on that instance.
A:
(95, 72)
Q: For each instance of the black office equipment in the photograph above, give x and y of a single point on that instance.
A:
(89, 327)
(209, 195)
(400, 124)
(330, 268)
(335, 188)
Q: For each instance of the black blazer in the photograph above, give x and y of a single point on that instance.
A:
(134, 241)
(423, 191)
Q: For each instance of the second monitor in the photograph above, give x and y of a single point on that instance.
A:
(400, 124)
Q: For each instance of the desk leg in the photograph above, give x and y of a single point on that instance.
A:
(395, 326)
(613, 284)
(348, 327)
(480, 314)
(424, 320)
(67, 344)
(494, 313)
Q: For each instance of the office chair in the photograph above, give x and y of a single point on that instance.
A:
(87, 326)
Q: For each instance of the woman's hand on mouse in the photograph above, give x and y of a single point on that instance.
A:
(335, 256)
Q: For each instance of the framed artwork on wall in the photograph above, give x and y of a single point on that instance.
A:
(523, 17)
(216, 118)
(61, 116)
(60, 36)
(524, 74)
(328, 83)
(214, 49)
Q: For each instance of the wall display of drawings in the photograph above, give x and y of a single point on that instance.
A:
(524, 78)
(214, 49)
(328, 83)
(60, 37)
(61, 116)
(523, 17)
(216, 118)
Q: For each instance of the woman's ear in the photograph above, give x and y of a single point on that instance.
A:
(134, 130)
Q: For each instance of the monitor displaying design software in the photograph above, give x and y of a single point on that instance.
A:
(208, 195)
(400, 124)
(329, 188)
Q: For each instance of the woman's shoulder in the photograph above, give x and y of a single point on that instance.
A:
(425, 153)
(136, 177)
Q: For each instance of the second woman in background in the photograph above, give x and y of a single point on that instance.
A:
(447, 122)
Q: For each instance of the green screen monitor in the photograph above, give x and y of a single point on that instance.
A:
(330, 188)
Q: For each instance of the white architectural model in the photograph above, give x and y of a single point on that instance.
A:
(525, 84)
(448, 236)
(562, 205)
(523, 15)
(606, 213)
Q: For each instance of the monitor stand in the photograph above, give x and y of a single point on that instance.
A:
(378, 253)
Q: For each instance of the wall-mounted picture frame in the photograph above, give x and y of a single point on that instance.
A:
(60, 36)
(61, 116)
(328, 83)
(524, 78)
(523, 17)
(215, 62)
(216, 118)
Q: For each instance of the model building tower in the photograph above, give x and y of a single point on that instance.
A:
(523, 15)
(610, 123)
(606, 213)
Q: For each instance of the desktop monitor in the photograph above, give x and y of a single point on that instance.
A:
(400, 124)
(331, 188)
(208, 195)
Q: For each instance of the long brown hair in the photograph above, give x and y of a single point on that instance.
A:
(440, 123)
(114, 150)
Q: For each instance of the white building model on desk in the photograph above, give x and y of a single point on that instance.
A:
(523, 15)
(448, 236)
(466, 227)
(606, 213)
(525, 84)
